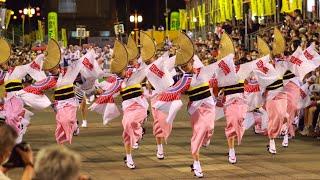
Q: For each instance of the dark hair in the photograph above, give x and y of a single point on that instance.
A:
(8, 137)
(296, 43)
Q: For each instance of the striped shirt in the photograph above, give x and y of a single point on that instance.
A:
(174, 92)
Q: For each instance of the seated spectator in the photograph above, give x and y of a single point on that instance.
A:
(8, 138)
(57, 163)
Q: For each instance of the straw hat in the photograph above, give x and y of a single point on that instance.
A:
(147, 46)
(5, 51)
(279, 43)
(185, 49)
(263, 47)
(226, 46)
(119, 60)
(53, 55)
(132, 48)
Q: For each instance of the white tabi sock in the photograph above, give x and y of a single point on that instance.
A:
(272, 144)
(160, 148)
(232, 152)
(196, 165)
(129, 159)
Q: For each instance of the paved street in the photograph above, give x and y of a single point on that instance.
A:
(102, 153)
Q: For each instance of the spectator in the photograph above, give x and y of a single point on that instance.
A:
(57, 163)
(8, 138)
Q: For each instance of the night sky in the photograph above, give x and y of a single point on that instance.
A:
(151, 11)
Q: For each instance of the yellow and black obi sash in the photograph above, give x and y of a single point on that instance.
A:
(13, 85)
(277, 84)
(288, 75)
(233, 89)
(64, 92)
(131, 92)
(199, 92)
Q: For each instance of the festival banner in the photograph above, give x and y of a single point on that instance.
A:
(222, 10)
(238, 9)
(203, 14)
(40, 31)
(254, 7)
(183, 19)
(9, 13)
(53, 25)
(200, 15)
(228, 9)
(261, 8)
(192, 16)
(174, 21)
(64, 37)
(288, 6)
(2, 16)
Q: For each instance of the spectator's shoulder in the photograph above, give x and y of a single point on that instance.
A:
(3, 177)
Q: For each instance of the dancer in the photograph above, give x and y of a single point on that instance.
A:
(16, 115)
(201, 105)
(65, 103)
(134, 105)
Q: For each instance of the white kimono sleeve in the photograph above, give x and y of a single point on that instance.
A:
(299, 64)
(158, 75)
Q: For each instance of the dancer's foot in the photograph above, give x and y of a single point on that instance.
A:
(129, 163)
(196, 169)
(285, 142)
(160, 156)
(135, 146)
(271, 148)
(84, 123)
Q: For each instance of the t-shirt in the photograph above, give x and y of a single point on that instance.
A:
(3, 177)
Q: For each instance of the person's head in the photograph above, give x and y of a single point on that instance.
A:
(188, 67)
(295, 44)
(8, 138)
(254, 54)
(4, 66)
(57, 162)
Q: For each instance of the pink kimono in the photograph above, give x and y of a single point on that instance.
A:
(14, 111)
(65, 103)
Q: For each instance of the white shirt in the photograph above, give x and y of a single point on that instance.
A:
(3, 176)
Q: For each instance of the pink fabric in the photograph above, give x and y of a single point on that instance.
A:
(293, 96)
(133, 117)
(277, 110)
(13, 110)
(202, 123)
(66, 124)
(258, 125)
(161, 129)
(235, 113)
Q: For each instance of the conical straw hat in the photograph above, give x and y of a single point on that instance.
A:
(279, 43)
(147, 46)
(53, 55)
(263, 47)
(226, 46)
(132, 48)
(185, 49)
(120, 58)
(5, 50)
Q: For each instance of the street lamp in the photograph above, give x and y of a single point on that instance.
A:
(29, 11)
(135, 18)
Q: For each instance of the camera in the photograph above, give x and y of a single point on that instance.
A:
(15, 160)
